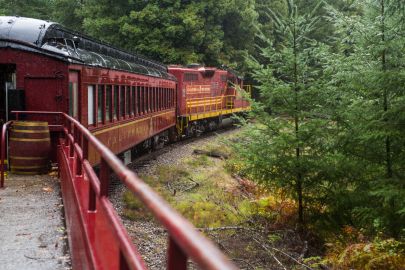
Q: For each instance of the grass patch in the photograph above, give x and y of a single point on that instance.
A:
(134, 208)
(199, 161)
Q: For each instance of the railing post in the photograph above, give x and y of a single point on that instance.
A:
(92, 193)
(66, 124)
(176, 259)
(123, 262)
(104, 177)
(79, 162)
(72, 144)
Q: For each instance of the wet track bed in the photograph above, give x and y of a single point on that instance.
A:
(32, 231)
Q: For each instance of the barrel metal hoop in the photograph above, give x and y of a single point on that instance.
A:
(30, 140)
(27, 167)
(30, 124)
(29, 131)
(28, 158)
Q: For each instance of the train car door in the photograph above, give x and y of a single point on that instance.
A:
(7, 83)
(74, 94)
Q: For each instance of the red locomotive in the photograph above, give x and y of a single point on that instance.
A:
(204, 96)
(124, 99)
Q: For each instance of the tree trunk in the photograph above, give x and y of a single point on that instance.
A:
(388, 159)
(297, 149)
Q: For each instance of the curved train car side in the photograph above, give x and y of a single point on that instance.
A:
(122, 98)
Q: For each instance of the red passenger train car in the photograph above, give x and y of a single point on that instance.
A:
(122, 98)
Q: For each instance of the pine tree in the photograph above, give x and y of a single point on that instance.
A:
(369, 68)
(288, 149)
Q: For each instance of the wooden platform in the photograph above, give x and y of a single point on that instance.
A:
(32, 232)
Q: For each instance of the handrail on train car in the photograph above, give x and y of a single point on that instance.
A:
(3, 147)
(184, 240)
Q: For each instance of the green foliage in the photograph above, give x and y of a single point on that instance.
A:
(66, 13)
(212, 32)
(39, 9)
(330, 124)
(368, 65)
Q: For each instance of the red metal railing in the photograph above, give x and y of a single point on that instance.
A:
(3, 151)
(97, 237)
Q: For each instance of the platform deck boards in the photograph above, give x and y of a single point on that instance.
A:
(32, 232)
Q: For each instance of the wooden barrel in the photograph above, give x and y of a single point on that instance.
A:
(30, 147)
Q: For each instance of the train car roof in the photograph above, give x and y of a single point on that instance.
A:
(54, 40)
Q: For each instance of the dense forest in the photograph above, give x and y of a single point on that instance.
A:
(328, 130)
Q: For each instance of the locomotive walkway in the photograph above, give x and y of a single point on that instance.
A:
(31, 225)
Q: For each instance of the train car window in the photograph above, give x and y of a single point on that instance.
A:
(133, 105)
(150, 96)
(108, 102)
(155, 98)
(73, 99)
(143, 100)
(160, 98)
(73, 94)
(223, 78)
(189, 77)
(147, 98)
(152, 99)
(100, 105)
(122, 102)
(174, 97)
(90, 104)
(128, 101)
(164, 99)
(138, 101)
(116, 99)
(170, 98)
